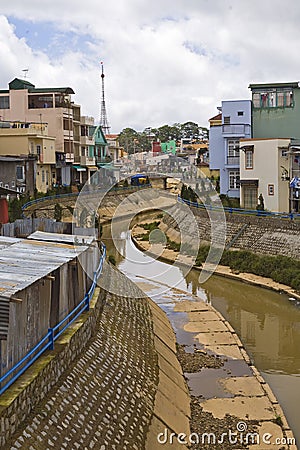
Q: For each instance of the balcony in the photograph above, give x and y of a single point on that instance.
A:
(69, 157)
(87, 161)
(233, 160)
(87, 140)
(236, 129)
(103, 160)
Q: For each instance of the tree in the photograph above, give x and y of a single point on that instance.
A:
(167, 132)
(127, 139)
(191, 130)
(58, 212)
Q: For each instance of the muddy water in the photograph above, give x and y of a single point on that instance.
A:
(268, 323)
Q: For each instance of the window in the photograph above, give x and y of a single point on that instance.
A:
(43, 176)
(13, 184)
(233, 147)
(68, 125)
(40, 101)
(4, 102)
(226, 120)
(234, 179)
(249, 159)
(38, 150)
(273, 98)
(284, 153)
(271, 190)
(20, 173)
(240, 113)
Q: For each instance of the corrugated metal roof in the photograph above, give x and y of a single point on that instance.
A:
(58, 237)
(24, 261)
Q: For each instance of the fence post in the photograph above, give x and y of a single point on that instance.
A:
(51, 338)
(87, 302)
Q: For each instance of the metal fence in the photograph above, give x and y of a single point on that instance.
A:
(24, 227)
(47, 342)
(75, 194)
(246, 212)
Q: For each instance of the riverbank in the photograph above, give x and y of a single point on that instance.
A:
(170, 256)
(246, 397)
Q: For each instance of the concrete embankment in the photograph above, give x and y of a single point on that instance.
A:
(116, 381)
(263, 235)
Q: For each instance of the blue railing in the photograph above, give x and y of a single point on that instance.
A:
(75, 194)
(47, 342)
(247, 212)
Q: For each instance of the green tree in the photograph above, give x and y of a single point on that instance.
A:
(127, 139)
(58, 212)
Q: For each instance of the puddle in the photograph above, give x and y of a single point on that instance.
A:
(206, 383)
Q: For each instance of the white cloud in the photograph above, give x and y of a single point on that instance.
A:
(165, 62)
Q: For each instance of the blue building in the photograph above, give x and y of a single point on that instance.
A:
(226, 129)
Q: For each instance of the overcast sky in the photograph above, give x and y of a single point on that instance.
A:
(165, 61)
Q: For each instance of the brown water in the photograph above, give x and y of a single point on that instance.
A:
(268, 323)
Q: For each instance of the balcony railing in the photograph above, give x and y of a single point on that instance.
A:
(233, 160)
(69, 157)
(238, 129)
(87, 161)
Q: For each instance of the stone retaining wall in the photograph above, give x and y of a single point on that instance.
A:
(261, 235)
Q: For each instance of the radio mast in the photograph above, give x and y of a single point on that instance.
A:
(103, 115)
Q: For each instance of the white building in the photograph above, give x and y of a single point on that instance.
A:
(265, 170)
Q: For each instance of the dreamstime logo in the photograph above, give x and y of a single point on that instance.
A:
(241, 435)
(103, 194)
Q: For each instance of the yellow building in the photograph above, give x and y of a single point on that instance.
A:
(25, 138)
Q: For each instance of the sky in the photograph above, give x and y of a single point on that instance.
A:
(165, 61)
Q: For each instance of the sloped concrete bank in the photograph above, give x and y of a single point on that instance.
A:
(112, 382)
(263, 235)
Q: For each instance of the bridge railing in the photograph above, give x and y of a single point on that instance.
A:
(47, 342)
(247, 212)
(75, 194)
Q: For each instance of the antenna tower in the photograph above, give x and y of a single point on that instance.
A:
(103, 116)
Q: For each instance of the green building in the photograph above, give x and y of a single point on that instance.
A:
(168, 147)
(276, 110)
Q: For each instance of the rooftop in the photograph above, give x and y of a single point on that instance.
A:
(25, 261)
(17, 83)
(292, 84)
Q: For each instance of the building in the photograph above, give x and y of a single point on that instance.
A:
(23, 102)
(41, 281)
(276, 110)
(232, 124)
(265, 171)
(33, 160)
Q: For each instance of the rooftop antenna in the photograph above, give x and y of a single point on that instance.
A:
(103, 116)
(25, 73)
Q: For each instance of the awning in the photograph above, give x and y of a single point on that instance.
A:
(249, 182)
(92, 167)
(79, 168)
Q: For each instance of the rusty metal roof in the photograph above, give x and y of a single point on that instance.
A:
(24, 261)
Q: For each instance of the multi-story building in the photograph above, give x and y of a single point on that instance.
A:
(25, 103)
(276, 110)
(92, 152)
(265, 173)
(30, 141)
(226, 129)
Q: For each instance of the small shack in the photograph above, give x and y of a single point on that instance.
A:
(41, 281)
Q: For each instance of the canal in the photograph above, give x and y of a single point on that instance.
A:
(268, 323)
